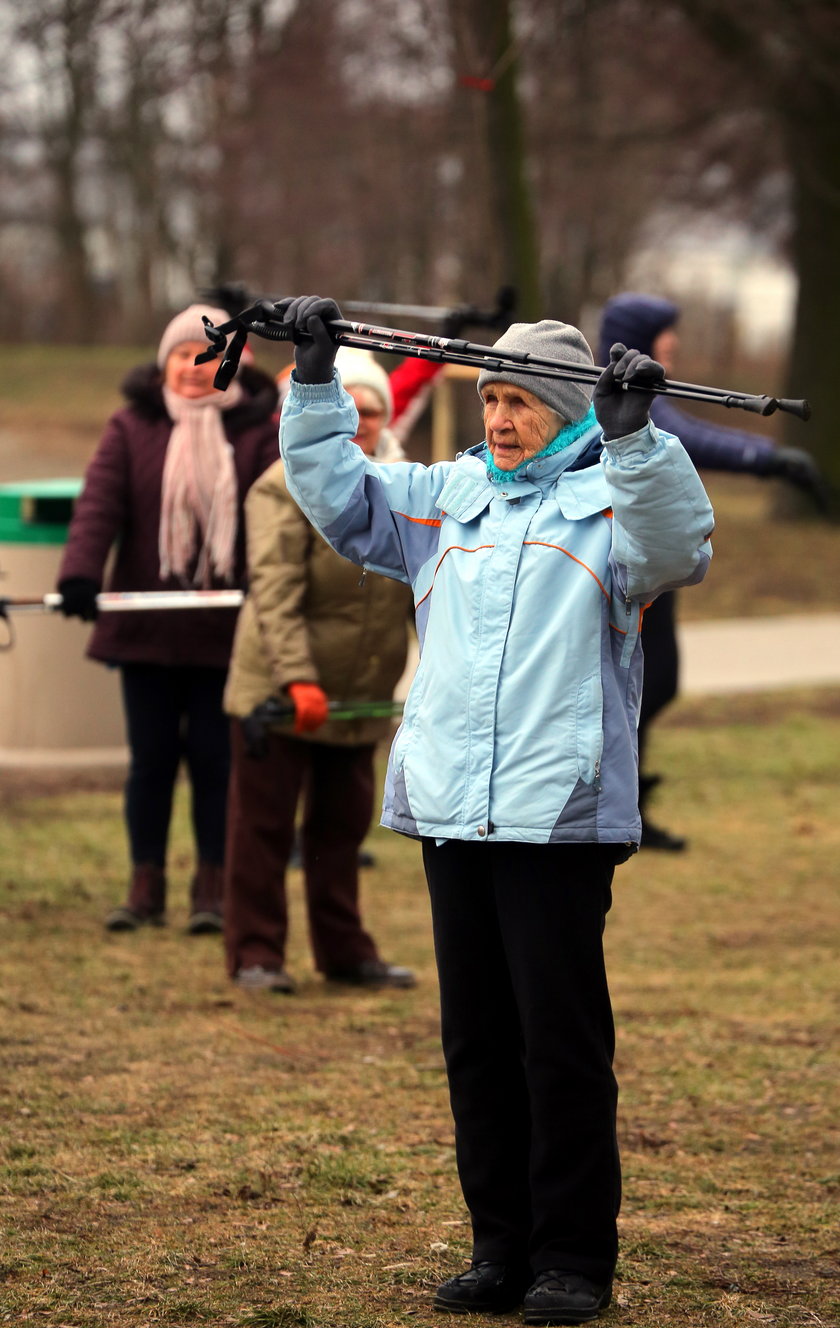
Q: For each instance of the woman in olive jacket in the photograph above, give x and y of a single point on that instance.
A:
(311, 630)
(163, 496)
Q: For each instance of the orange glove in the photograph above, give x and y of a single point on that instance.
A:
(311, 706)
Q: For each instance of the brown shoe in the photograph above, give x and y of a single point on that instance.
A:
(146, 901)
(206, 900)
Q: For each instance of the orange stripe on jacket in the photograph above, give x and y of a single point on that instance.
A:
(419, 520)
(543, 544)
(461, 549)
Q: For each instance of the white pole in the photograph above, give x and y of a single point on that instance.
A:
(125, 601)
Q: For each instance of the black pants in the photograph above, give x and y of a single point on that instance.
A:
(528, 1040)
(661, 676)
(174, 714)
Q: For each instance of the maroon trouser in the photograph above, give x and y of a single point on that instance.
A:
(337, 783)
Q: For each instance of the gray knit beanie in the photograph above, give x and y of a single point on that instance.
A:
(549, 340)
(187, 326)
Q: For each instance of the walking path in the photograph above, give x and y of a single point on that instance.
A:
(759, 654)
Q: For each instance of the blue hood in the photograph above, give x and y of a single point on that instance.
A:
(636, 320)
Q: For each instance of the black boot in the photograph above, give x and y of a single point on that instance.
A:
(146, 900)
(653, 836)
(559, 1297)
(485, 1288)
(206, 900)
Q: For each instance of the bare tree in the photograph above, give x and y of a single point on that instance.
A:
(788, 58)
(486, 48)
(62, 38)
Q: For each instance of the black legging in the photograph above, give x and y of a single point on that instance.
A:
(175, 713)
(661, 672)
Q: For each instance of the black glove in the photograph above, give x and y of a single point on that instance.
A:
(618, 411)
(800, 469)
(306, 316)
(78, 597)
(255, 735)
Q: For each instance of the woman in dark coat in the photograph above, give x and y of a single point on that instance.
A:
(164, 496)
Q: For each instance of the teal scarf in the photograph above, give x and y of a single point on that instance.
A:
(567, 435)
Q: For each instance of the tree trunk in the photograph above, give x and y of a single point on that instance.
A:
(488, 63)
(815, 165)
(506, 147)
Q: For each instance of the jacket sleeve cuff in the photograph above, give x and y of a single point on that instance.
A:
(307, 394)
(633, 444)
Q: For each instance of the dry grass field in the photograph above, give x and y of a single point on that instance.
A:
(174, 1151)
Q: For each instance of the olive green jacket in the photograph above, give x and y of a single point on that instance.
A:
(309, 616)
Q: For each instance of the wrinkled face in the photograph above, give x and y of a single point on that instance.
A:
(517, 424)
(371, 418)
(184, 376)
(665, 348)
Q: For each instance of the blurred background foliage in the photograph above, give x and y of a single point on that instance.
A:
(427, 151)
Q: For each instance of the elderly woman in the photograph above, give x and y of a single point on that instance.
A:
(311, 630)
(531, 557)
(164, 492)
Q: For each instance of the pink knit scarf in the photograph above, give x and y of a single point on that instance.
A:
(199, 491)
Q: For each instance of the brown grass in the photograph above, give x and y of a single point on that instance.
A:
(176, 1151)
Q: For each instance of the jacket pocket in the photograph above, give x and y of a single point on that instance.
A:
(589, 729)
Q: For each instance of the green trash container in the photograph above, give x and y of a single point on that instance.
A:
(56, 706)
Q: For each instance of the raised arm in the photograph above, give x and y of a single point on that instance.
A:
(662, 517)
(382, 517)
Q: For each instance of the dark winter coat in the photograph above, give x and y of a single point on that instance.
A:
(120, 506)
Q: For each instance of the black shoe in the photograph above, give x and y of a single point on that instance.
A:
(653, 836)
(125, 919)
(205, 922)
(491, 1288)
(366, 858)
(373, 973)
(558, 1297)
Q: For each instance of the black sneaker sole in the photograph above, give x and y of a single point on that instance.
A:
(557, 1317)
(476, 1307)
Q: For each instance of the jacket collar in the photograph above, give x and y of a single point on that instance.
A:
(574, 475)
(544, 471)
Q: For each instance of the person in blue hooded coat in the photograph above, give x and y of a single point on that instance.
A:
(648, 322)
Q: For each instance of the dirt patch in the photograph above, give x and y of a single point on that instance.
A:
(20, 784)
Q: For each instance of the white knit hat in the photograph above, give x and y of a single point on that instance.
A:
(549, 340)
(358, 368)
(187, 326)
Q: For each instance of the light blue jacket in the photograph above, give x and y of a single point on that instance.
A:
(521, 720)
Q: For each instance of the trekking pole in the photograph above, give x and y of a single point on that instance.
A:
(274, 711)
(127, 601)
(500, 316)
(266, 320)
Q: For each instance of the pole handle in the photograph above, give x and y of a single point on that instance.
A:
(800, 408)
